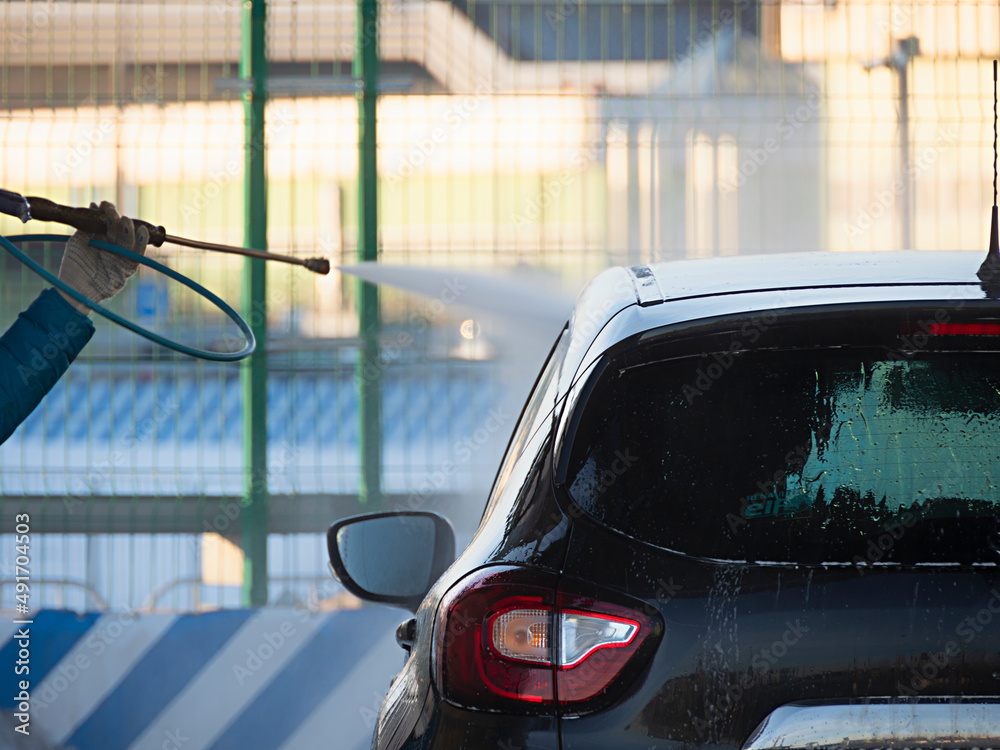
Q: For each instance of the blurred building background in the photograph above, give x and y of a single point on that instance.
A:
(543, 139)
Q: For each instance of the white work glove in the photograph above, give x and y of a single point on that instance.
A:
(99, 274)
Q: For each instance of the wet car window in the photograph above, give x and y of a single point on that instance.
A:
(830, 456)
(536, 411)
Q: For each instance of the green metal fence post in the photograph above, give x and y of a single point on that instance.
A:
(253, 67)
(369, 372)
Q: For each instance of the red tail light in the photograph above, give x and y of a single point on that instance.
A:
(506, 639)
(965, 329)
(920, 330)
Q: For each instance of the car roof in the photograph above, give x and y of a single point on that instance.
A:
(623, 301)
(611, 291)
(747, 273)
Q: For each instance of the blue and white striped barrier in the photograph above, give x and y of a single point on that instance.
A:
(241, 679)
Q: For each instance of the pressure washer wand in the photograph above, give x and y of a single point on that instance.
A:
(91, 220)
(319, 265)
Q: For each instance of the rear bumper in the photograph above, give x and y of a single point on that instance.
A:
(881, 723)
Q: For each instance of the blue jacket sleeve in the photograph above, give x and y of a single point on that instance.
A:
(35, 352)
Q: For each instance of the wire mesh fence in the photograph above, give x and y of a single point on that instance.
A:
(555, 136)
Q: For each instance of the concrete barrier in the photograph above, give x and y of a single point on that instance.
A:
(260, 679)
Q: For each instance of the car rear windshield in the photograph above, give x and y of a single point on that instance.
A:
(826, 455)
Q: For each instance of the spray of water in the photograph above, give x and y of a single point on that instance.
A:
(523, 314)
(520, 299)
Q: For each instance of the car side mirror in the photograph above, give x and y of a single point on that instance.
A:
(391, 557)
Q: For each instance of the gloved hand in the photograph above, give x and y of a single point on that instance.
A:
(99, 274)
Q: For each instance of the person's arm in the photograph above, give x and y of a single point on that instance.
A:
(35, 352)
(47, 337)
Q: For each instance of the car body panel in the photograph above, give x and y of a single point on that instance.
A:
(743, 640)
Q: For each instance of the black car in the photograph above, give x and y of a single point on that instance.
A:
(752, 502)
